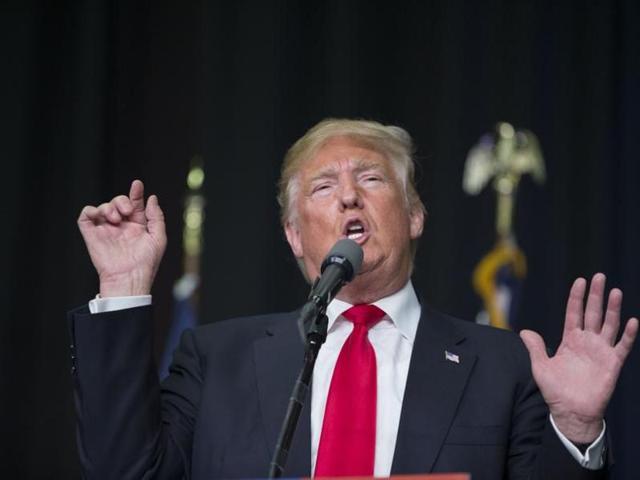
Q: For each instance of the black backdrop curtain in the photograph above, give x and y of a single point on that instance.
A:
(98, 93)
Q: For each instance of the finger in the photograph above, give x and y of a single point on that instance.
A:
(155, 220)
(628, 337)
(611, 323)
(593, 310)
(573, 316)
(136, 196)
(535, 345)
(89, 214)
(109, 213)
(123, 204)
(96, 215)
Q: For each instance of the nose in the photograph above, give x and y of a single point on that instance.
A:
(349, 195)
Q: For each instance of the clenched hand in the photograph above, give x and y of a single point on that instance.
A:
(126, 241)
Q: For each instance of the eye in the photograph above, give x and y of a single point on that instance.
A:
(371, 178)
(321, 189)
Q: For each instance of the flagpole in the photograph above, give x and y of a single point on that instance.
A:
(185, 289)
(502, 158)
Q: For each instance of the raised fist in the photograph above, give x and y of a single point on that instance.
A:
(126, 241)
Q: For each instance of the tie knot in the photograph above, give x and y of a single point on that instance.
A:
(363, 314)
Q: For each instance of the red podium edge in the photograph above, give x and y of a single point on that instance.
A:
(430, 476)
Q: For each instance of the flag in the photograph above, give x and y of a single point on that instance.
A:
(498, 279)
(184, 317)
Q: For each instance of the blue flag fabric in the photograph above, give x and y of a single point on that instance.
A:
(184, 317)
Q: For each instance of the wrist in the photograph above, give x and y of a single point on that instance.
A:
(134, 283)
(577, 429)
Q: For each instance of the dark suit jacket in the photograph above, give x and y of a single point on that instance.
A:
(219, 412)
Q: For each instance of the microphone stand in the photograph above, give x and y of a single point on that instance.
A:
(313, 314)
(339, 267)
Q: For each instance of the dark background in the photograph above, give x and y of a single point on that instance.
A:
(95, 94)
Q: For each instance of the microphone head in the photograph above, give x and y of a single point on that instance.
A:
(347, 254)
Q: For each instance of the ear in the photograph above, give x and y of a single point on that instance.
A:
(293, 237)
(416, 221)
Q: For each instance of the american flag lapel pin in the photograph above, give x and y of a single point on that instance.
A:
(451, 357)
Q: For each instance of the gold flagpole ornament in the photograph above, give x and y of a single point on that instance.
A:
(502, 158)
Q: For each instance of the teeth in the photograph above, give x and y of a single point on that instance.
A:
(355, 231)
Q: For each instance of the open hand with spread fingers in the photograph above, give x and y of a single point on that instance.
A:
(578, 381)
(126, 240)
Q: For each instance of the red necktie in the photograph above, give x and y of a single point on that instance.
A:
(348, 439)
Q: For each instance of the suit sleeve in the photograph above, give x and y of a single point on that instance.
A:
(130, 427)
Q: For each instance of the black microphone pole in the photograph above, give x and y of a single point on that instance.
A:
(298, 397)
(340, 266)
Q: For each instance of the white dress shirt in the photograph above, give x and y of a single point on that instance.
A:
(392, 340)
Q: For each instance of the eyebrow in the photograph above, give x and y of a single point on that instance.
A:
(362, 165)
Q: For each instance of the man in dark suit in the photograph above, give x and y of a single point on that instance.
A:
(442, 394)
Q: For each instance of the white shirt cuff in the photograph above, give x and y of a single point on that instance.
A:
(111, 304)
(593, 456)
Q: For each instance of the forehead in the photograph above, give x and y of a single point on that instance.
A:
(342, 153)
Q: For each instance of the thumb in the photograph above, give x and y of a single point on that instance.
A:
(535, 345)
(136, 195)
(155, 219)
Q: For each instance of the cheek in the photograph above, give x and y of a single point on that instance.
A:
(396, 231)
(316, 214)
(316, 234)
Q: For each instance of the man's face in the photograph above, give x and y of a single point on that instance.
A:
(348, 190)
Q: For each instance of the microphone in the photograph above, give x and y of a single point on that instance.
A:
(341, 264)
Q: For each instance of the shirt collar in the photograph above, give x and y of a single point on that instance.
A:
(401, 307)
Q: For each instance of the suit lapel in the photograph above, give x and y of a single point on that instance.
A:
(434, 387)
(279, 357)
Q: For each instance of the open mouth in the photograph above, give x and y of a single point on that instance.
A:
(356, 230)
